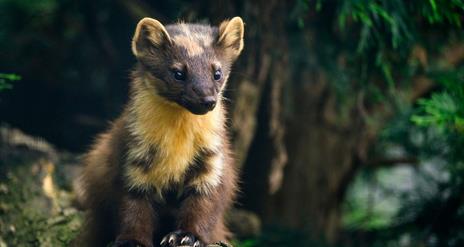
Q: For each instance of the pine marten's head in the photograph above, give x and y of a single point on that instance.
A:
(188, 63)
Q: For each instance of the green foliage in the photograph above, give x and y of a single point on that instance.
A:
(389, 23)
(440, 11)
(441, 213)
(376, 37)
(374, 18)
(430, 212)
(245, 243)
(440, 111)
(6, 79)
(445, 109)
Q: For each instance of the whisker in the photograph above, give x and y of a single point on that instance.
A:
(226, 99)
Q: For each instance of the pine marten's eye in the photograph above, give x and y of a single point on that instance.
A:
(179, 75)
(217, 75)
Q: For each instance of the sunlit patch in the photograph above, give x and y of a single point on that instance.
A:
(48, 184)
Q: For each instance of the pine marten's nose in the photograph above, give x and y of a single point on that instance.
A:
(208, 102)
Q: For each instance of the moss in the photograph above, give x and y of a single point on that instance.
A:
(34, 212)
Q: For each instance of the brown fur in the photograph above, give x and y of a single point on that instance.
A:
(160, 167)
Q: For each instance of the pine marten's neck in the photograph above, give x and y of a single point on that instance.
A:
(154, 119)
(155, 115)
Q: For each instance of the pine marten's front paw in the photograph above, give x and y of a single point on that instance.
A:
(181, 238)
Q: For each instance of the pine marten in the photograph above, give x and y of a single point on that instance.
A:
(162, 174)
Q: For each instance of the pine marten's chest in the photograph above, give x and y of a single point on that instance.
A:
(170, 142)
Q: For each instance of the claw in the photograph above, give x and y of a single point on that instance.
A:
(163, 241)
(171, 240)
(181, 238)
(185, 240)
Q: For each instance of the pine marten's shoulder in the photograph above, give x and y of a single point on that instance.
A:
(104, 160)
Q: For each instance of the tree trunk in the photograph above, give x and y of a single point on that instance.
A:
(322, 148)
(296, 145)
(321, 163)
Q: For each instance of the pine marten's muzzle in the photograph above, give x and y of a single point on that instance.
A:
(208, 102)
(199, 99)
(199, 106)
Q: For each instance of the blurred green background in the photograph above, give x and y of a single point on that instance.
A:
(347, 117)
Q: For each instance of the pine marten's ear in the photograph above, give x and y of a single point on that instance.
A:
(231, 36)
(149, 33)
